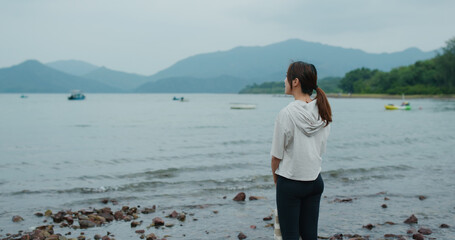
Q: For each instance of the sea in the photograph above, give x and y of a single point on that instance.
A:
(195, 156)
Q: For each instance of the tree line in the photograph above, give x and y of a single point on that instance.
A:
(433, 76)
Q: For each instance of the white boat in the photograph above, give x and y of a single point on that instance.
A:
(242, 106)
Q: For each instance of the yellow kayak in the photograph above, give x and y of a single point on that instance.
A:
(404, 106)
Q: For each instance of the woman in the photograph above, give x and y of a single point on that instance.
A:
(299, 140)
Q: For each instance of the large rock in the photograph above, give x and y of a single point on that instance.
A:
(240, 197)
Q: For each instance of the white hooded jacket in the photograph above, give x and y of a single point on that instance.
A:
(299, 140)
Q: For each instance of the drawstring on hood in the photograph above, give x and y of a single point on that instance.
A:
(305, 117)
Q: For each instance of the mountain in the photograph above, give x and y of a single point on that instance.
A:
(260, 63)
(34, 77)
(117, 79)
(220, 84)
(73, 67)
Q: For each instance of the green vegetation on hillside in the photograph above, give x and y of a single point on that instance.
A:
(433, 76)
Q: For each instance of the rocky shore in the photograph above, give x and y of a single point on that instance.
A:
(68, 222)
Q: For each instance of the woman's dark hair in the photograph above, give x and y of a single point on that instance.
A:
(308, 76)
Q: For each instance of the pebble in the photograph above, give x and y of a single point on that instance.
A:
(241, 236)
(157, 221)
(240, 197)
(369, 226)
(444, 226)
(17, 218)
(421, 197)
(418, 236)
(425, 231)
(411, 219)
(384, 205)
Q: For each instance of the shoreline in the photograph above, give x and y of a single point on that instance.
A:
(388, 96)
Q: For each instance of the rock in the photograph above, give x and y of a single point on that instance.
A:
(38, 214)
(411, 231)
(267, 218)
(181, 217)
(118, 215)
(114, 202)
(149, 210)
(86, 224)
(252, 198)
(386, 199)
(105, 201)
(105, 238)
(215, 211)
(418, 236)
(369, 226)
(241, 236)
(158, 221)
(343, 200)
(81, 237)
(59, 217)
(240, 197)
(69, 219)
(174, 214)
(140, 231)
(421, 197)
(125, 208)
(411, 219)
(253, 227)
(425, 231)
(444, 226)
(390, 223)
(17, 218)
(107, 216)
(48, 213)
(337, 236)
(151, 236)
(135, 224)
(97, 237)
(384, 205)
(390, 235)
(169, 225)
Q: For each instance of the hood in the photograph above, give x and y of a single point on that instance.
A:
(305, 116)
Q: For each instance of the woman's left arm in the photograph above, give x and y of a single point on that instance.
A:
(275, 164)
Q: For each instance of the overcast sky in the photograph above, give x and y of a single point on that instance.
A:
(145, 36)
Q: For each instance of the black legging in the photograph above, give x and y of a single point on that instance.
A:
(298, 207)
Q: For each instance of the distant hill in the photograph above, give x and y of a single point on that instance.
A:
(121, 80)
(220, 84)
(73, 67)
(260, 63)
(223, 71)
(34, 77)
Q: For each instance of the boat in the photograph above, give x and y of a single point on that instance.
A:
(242, 106)
(181, 99)
(76, 95)
(24, 96)
(403, 106)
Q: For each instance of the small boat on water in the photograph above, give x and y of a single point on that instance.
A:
(181, 99)
(24, 96)
(403, 106)
(242, 106)
(76, 95)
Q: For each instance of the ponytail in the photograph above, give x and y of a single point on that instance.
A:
(324, 106)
